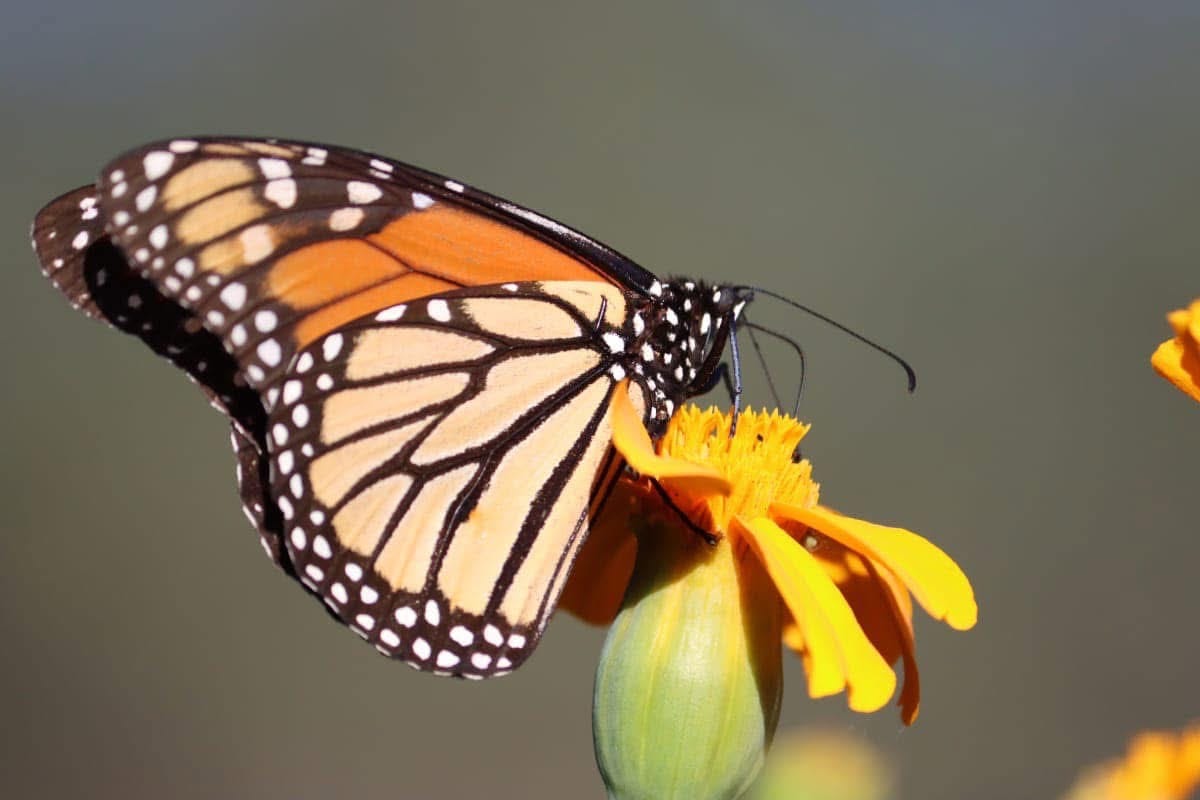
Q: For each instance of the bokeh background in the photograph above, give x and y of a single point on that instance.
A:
(1007, 195)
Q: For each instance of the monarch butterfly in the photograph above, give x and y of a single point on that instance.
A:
(421, 378)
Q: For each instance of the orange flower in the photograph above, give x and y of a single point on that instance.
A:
(1160, 765)
(847, 585)
(1178, 359)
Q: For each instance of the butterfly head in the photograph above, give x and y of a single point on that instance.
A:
(679, 338)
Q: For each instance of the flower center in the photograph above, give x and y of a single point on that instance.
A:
(759, 459)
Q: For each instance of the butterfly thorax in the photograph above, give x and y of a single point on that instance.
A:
(678, 332)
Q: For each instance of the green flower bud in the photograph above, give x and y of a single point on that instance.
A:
(689, 682)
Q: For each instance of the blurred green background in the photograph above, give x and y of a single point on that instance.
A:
(1005, 195)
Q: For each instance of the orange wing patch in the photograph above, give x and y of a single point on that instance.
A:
(471, 249)
(418, 255)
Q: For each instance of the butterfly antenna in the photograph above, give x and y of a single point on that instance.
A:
(750, 329)
(736, 360)
(908, 370)
(799, 354)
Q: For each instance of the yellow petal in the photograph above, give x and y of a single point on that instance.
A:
(883, 606)
(910, 689)
(934, 579)
(793, 637)
(633, 443)
(604, 564)
(1180, 364)
(833, 638)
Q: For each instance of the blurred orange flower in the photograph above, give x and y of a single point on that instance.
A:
(1178, 359)
(1160, 765)
(847, 585)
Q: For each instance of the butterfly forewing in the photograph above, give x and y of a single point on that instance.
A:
(274, 244)
(86, 266)
(435, 462)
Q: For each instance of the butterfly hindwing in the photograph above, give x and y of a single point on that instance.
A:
(434, 464)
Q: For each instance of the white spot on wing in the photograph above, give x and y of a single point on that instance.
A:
(270, 352)
(265, 320)
(361, 192)
(291, 392)
(157, 163)
(274, 168)
(391, 314)
(321, 546)
(345, 219)
(257, 243)
(331, 346)
(233, 296)
(433, 615)
(438, 310)
(281, 192)
(144, 199)
(615, 342)
(421, 201)
(339, 593)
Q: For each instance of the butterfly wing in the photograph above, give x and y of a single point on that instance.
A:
(255, 251)
(274, 244)
(435, 464)
(84, 264)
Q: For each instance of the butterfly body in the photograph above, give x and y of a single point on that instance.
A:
(418, 374)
